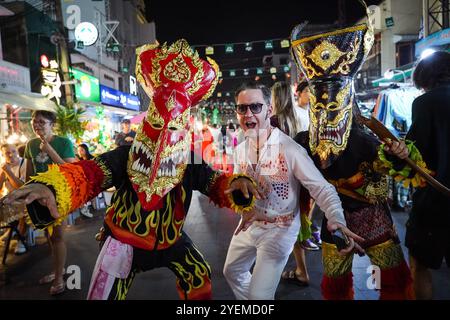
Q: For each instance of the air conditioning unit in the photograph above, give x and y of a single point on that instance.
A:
(375, 16)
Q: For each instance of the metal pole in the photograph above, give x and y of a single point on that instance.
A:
(65, 61)
(425, 18)
(99, 41)
(445, 14)
(403, 74)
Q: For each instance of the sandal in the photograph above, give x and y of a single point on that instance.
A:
(57, 289)
(293, 277)
(49, 278)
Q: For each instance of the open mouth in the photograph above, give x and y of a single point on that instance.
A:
(168, 166)
(144, 161)
(143, 158)
(335, 134)
(250, 124)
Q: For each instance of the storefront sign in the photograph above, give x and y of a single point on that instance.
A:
(87, 88)
(14, 77)
(434, 40)
(133, 86)
(119, 99)
(389, 22)
(87, 33)
(51, 81)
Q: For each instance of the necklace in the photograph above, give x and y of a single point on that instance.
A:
(258, 154)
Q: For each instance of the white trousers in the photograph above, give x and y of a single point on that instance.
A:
(269, 248)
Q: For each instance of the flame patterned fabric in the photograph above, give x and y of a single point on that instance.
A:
(128, 220)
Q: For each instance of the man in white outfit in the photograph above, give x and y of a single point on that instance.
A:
(302, 107)
(266, 235)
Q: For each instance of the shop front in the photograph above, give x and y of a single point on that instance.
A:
(122, 105)
(104, 109)
(99, 127)
(437, 41)
(17, 102)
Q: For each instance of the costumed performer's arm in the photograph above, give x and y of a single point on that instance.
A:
(390, 162)
(321, 191)
(52, 195)
(234, 191)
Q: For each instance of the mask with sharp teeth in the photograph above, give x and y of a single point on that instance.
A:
(175, 78)
(329, 62)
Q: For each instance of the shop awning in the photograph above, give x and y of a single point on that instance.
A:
(398, 77)
(119, 111)
(32, 101)
(138, 119)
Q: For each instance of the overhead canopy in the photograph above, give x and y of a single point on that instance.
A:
(138, 119)
(33, 101)
(5, 12)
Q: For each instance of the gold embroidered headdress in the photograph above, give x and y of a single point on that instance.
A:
(329, 62)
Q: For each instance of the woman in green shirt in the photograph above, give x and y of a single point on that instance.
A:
(47, 149)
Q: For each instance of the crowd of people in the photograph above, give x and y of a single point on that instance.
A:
(292, 155)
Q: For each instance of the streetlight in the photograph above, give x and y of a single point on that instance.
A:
(389, 74)
(426, 53)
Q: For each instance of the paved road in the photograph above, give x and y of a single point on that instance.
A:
(211, 229)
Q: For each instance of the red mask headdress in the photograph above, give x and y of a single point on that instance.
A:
(175, 78)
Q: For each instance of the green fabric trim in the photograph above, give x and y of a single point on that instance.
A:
(305, 228)
(414, 154)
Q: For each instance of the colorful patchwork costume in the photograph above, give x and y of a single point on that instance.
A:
(154, 180)
(349, 158)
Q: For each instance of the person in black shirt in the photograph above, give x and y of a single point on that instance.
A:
(428, 227)
(126, 137)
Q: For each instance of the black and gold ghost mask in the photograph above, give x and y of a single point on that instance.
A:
(329, 62)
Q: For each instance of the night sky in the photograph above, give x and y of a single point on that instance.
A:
(220, 22)
(210, 22)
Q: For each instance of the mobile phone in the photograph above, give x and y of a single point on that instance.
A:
(240, 199)
(39, 215)
(340, 239)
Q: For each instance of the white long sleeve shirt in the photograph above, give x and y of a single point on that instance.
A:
(283, 167)
(302, 116)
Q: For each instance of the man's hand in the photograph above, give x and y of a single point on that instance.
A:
(31, 192)
(352, 237)
(44, 145)
(396, 148)
(245, 185)
(246, 220)
(129, 139)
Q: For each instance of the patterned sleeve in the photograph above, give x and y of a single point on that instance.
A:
(76, 183)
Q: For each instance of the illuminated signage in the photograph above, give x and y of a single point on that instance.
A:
(51, 81)
(118, 98)
(87, 33)
(87, 87)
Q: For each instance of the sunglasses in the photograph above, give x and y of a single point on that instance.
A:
(254, 108)
(40, 122)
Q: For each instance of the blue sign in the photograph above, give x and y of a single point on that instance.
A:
(436, 39)
(118, 98)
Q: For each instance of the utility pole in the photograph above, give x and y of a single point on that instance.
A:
(64, 55)
(445, 14)
(425, 18)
